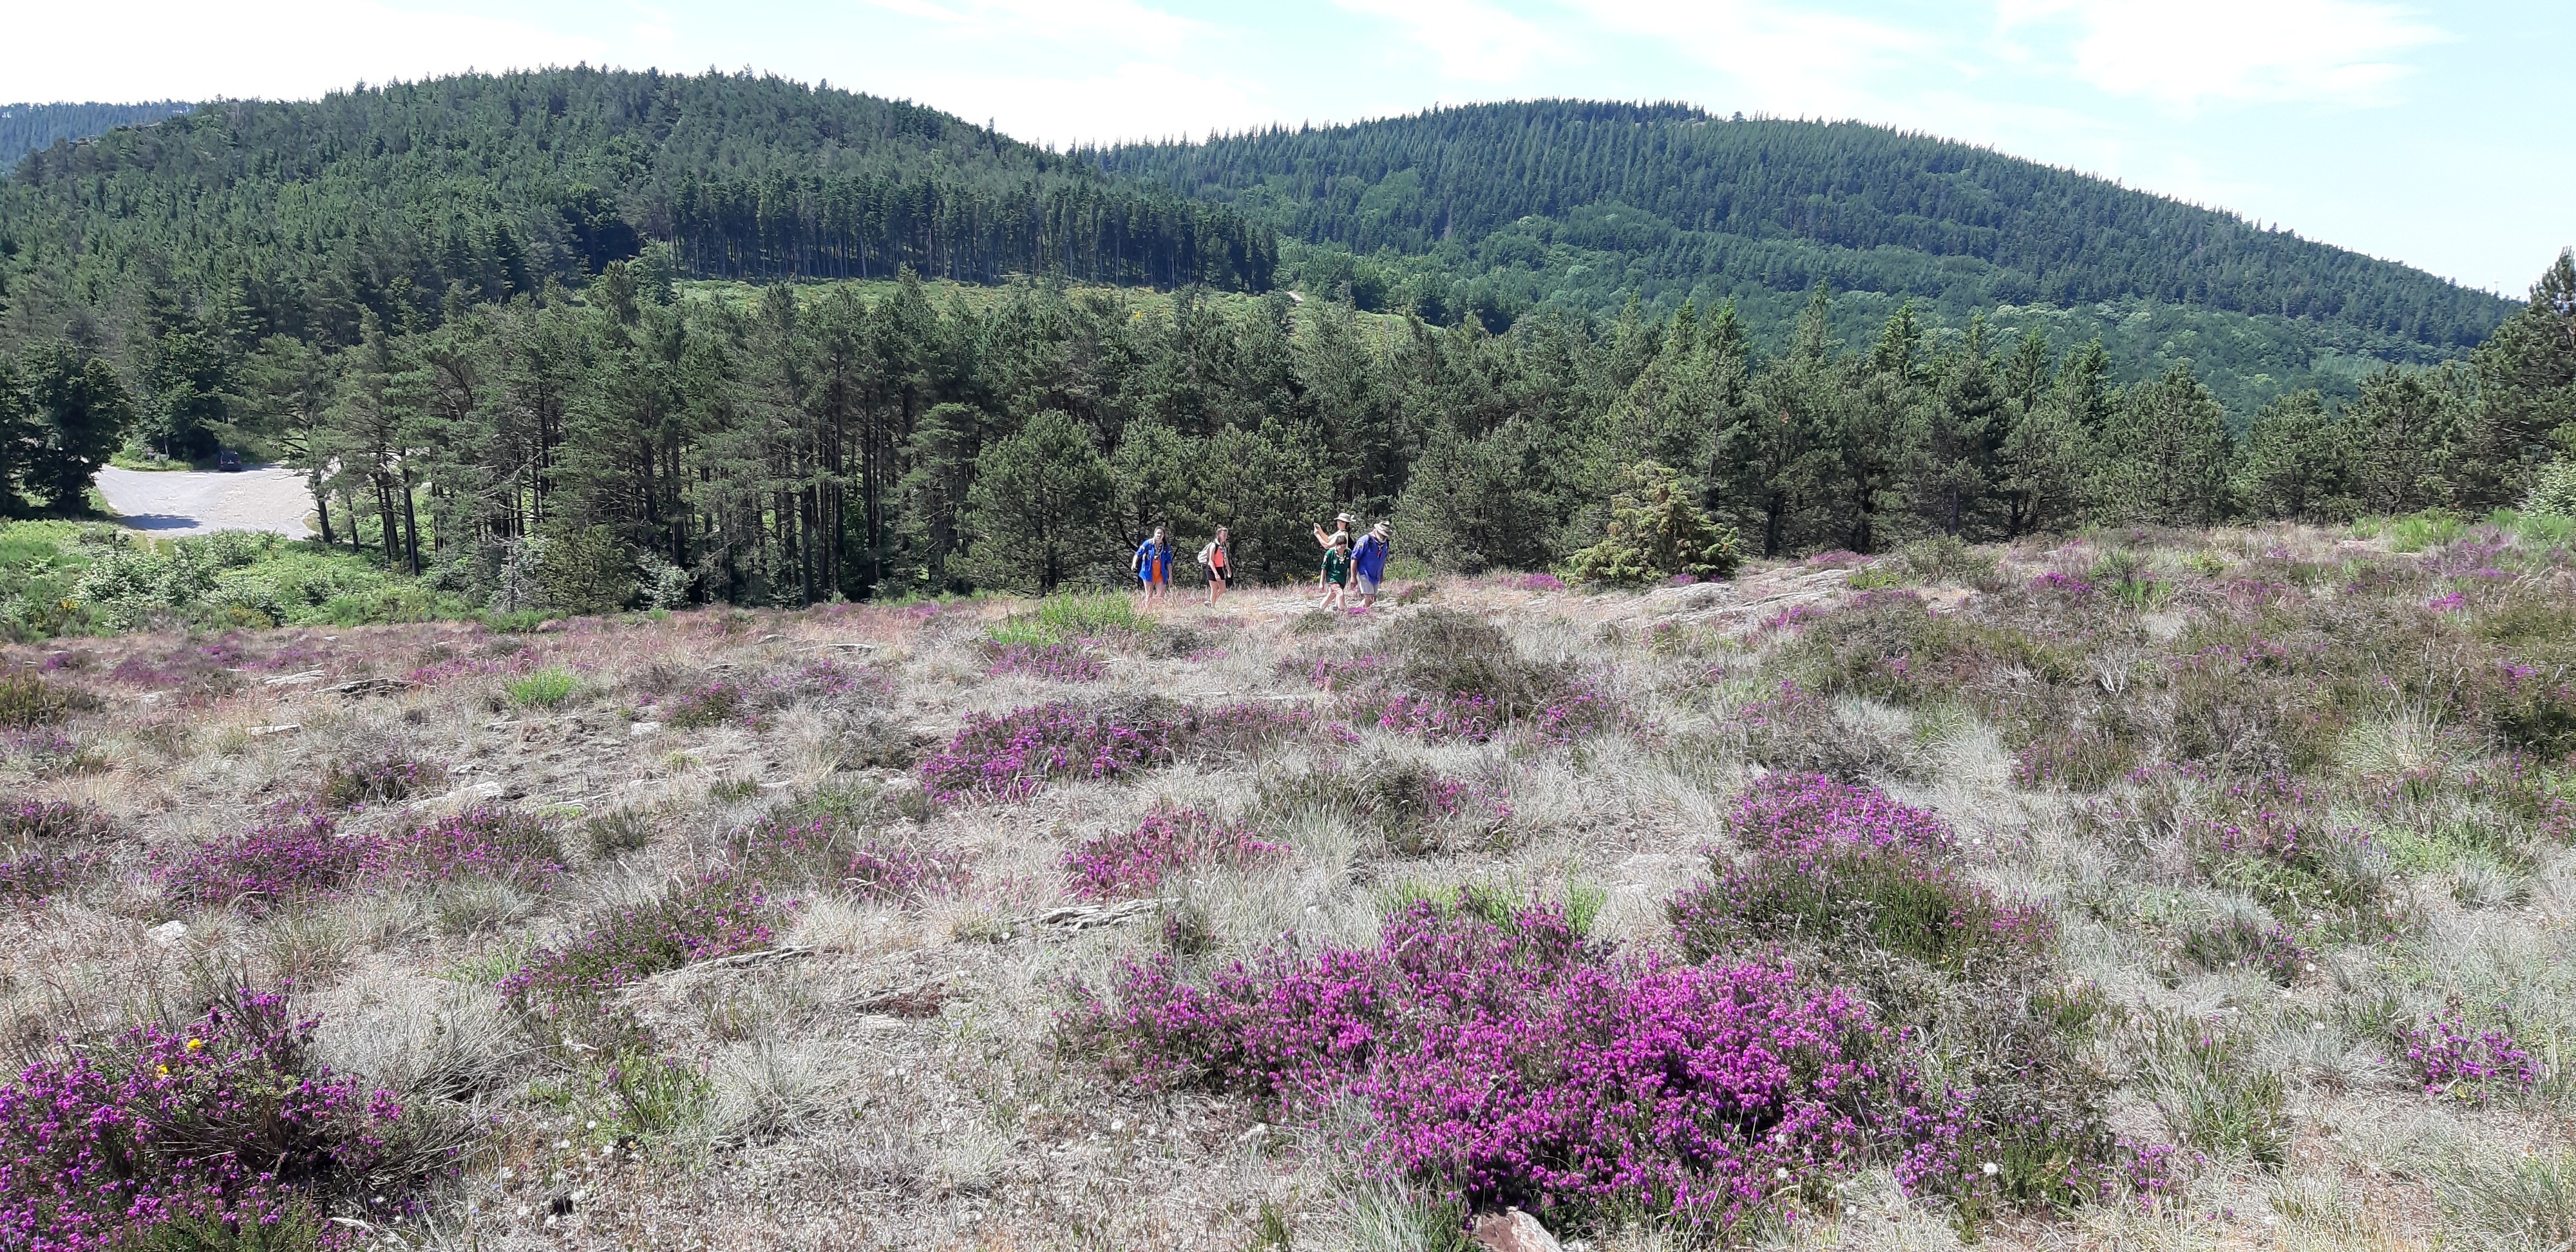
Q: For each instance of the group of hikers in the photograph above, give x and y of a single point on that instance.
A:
(1345, 560)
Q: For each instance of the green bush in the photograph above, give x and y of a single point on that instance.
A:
(28, 699)
(586, 571)
(1656, 532)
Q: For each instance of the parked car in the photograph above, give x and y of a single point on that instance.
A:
(228, 460)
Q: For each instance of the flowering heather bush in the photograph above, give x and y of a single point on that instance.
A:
(37, 822)
(1473, 718)
(294, 855)
(446, 669)
(29, 700)
(2071, 586)
(750, 701)
(1327, 673)
(715, 914)
(1010, 757)
(378, 778)
(298, 854)
(1842, 865)
(1063, 662)
(1508, 1062)
(828, 681)
(39, 874)
(1538, 582)
(495, 842)
(710, 704)
(2455, 1061)
(1809, 817)
(223, 1123)
(1169, 841)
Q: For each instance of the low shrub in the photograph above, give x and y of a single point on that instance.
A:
(214, 1133)
(1060, 619)
(709, 704)
(1511, 1063)
(298, 855)
(36, 874)
(29, 700)
(1858, 902)
(37, 823)
(2452, 1058)
(376, 778)
(495, 843)
(1808, 817)
(1169, 841)
(1011, 756)
(1062, 662)
(288, 858)
(715, 914)
(800, 848)
(2245, 943)
(1417, 808)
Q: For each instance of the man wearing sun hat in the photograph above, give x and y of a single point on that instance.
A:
(1368, 563)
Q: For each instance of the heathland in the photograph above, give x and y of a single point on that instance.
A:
(2148, 889)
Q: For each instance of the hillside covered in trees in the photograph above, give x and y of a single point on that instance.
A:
(26, 128)
(463, 308)
(1489, 209)
(296, 217)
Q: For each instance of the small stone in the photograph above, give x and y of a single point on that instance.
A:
(1514, 1231)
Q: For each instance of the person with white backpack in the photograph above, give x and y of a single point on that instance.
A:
(1218, 558)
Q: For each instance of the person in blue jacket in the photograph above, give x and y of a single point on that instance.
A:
(1153, 567)
(1368, 563)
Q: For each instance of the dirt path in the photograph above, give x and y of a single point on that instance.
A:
(267, 498)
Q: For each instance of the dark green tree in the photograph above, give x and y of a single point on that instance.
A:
(81, 411)
(1040, 507)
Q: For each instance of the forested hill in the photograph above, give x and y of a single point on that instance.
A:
(303, 214)
(24, 128)
(1586, 203)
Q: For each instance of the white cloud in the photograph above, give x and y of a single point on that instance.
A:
(286, 49)
(1788, 59)
(1135, 100)
(1129, 24)
(2188, 54)
(1472, 42)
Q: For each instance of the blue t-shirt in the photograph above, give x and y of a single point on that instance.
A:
(1153, 561)
(1370, 557)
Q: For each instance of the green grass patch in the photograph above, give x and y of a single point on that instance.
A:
(545, 688)
(1065, 618)
(2413, 532)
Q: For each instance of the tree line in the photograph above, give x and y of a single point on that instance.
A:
(809, 443)
(300, 217)
(1705, 204)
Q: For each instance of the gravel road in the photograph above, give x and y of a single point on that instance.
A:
(183, 503)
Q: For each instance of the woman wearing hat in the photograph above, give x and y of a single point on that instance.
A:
(1341, 532)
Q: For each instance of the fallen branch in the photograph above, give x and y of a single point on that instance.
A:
(1089, 916)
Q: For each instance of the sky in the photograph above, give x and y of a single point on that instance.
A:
(2428, 134)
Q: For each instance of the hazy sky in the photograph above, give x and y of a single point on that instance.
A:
(2429, 134)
